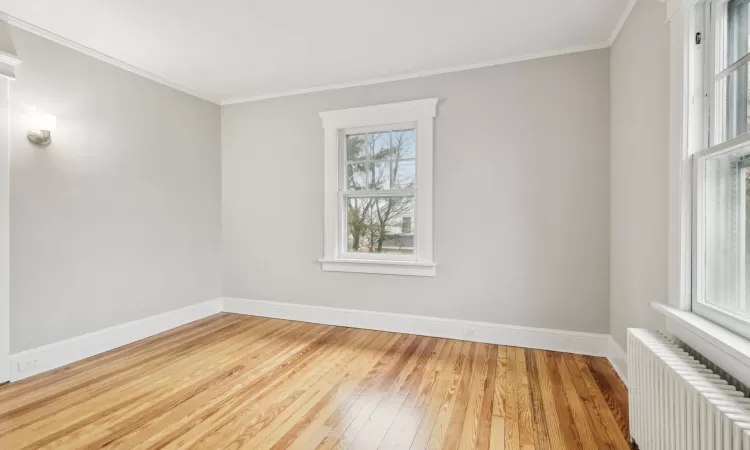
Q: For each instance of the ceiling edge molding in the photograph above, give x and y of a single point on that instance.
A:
(7, 58)
(8, 64)
(412, 75)
(33, 29)
(621, 22)
(673, 6)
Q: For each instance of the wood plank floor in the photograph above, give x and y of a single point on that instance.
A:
(242, 382)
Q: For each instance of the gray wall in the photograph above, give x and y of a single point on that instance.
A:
(119, 218)
(521, 197)
(640, 143)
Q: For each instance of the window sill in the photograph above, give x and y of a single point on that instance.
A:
(409, 268)
(728, 350)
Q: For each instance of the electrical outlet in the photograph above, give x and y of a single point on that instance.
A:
(27, 365)
(469, 331)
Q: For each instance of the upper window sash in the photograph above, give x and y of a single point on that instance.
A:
(725, 58)
(345, 162)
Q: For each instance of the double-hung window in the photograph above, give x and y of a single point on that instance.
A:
(721, 188)
(378, 189)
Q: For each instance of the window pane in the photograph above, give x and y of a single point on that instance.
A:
(732, 105)
(406, 225)
(379, 145)
(355, 147)
(356, 176)
(404, 174)
(380, 176)
(725, 223)
(377, 225)
(737, 31)
(404, 143)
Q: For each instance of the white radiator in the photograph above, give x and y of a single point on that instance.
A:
(676, 402)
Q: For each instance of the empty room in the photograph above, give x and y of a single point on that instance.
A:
(414, 224)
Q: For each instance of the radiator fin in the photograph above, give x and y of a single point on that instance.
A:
(678, 401)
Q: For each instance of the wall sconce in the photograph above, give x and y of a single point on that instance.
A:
(45, 124)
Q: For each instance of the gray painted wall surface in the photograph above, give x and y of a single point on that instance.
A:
(521, 197)
(119, 218)
(640, 145)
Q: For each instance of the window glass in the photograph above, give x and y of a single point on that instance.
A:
(725, 253)
(381, 161)
(736, 31)
(377, 225)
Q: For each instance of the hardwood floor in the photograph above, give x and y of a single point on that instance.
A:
(233, 381)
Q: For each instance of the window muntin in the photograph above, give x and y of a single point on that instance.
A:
(379, 192)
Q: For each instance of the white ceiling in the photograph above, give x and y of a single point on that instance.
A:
(230, 50)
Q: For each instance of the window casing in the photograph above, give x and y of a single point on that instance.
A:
(378, 189)
(721, 249)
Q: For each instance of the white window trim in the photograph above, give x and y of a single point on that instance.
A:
(421, 112)
(687, 118)
(698, 78)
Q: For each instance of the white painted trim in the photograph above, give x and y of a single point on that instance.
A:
(8, 64)
(620, 23)
(4, 230)
(680, 237)
(411, 268)
(335, 123)
(674, 6)
(11, 60)
(20, 24)
(81, 347)
(419, 74)
(619, 359)
(8, 58)
(729, 351)
(492, 333)
(65, 352)
(387, 113)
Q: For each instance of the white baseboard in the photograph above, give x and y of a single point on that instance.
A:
(491, 333)
(56, 355)
(61, 353)
(619, 359)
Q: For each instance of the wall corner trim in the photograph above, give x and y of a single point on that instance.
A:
(619, 359)
(621, 22)
(61, 353)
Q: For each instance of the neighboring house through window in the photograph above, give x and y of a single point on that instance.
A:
(378, 189)
(406, 225)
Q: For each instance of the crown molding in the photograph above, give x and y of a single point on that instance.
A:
(673, 6)
(420, 74)
(8, 64)
(11, 60)
(33, 29)
(18, 23)
(620, 23)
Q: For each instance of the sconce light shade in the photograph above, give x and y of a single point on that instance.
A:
(42, 125)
